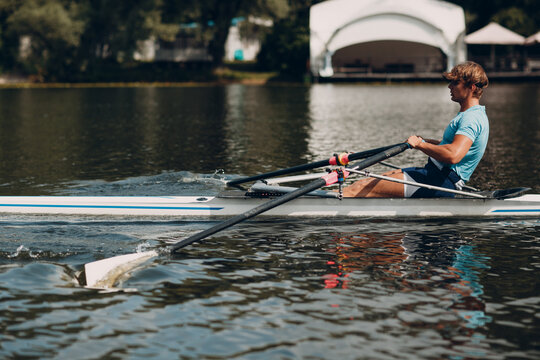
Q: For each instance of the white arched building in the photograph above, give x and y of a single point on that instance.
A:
(385, 36)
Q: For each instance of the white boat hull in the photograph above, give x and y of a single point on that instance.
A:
(203, 206)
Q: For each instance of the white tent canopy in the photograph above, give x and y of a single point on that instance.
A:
(494, 34)
(533, 39)
(337, 24)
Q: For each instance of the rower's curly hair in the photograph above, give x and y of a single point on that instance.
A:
(472, 74)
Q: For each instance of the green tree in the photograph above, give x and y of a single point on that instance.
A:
(515, 19)
(54, 29)
(115, 27)
(8, 41)
(522, 16)
(68, 37)
(215, 17)
(286, 48)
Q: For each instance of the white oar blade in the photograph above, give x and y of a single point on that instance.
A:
(103, 274)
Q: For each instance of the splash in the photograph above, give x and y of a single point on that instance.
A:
(164, 184)
(23, 252)
(143, 247)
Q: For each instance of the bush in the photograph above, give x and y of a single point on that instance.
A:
(286, 50)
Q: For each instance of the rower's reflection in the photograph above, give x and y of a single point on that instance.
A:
(410, 261)
(355, 252)
(465, 271)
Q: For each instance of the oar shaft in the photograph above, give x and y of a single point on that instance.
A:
(304, 167)
(383, 155)
(314, 185)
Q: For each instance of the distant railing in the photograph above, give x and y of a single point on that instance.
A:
(501, 63)
(380, 64)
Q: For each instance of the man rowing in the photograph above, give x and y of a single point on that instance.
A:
(453, 159)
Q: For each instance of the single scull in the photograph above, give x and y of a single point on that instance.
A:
(235, 202)
(307, 200)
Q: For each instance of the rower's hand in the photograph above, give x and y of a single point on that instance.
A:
(414, 141)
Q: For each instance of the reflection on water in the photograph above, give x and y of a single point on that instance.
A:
(396, 258)
(52, 136)
(287, 289)
(357, 117)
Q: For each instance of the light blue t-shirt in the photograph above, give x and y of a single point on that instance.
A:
(474, 124)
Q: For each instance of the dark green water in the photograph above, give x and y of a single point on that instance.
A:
(287, 289)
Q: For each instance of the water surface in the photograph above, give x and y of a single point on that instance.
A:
(286, 289)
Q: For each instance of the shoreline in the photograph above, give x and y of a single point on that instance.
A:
(513, 76)
(20, 82)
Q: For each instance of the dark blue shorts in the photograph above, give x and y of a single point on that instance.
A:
(431, 175)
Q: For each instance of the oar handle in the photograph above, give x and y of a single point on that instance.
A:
(304, 167)
(383, 155)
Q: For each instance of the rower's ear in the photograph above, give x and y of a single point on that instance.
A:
(476, 91)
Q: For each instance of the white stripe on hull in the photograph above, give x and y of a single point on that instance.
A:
(192, 206)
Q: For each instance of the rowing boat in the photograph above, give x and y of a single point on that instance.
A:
(307, 200)
(230, 203)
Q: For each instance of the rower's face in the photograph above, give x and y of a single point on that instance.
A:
(458, 90)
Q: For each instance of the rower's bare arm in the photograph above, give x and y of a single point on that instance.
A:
(448, 153)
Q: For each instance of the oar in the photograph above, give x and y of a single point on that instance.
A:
(334, 160)
(104, 273)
